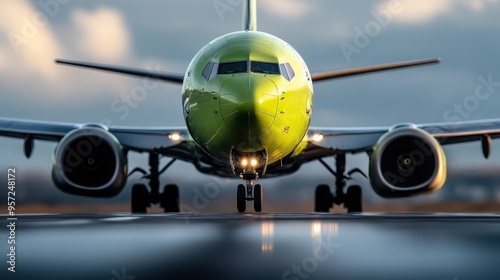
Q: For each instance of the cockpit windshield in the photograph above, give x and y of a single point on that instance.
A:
(233, 67)
(255, 67)
(247, 66)
(264, 67)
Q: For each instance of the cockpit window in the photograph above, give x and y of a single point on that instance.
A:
(287, 71)
(290, 71)
(232, 67)
(264, 67)
(284, 69)
(209, 71)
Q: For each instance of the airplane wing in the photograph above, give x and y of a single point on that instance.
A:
(82, 148)
(153, 74)
(355, 140)
(130, 138)
(328, 75)
(340, 139)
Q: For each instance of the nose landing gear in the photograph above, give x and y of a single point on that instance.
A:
(249, 192)
(249, 166)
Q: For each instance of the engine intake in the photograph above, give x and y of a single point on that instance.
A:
(407, 161)
(89, 161)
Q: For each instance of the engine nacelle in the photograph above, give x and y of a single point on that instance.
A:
(407, 161)
(89, 161)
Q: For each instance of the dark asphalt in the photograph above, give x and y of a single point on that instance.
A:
(253, 246)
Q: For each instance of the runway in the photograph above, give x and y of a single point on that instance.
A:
(254, 246)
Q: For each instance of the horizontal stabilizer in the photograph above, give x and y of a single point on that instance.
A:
(164, 76)
(320, 76)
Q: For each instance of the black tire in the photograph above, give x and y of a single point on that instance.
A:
(323, 199)
(257, 202)
(353, 199)
(169, 200)
(241, 199)
(140, 199)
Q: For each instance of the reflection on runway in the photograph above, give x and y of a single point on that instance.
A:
(320, 228)
(256, 246)
(267, 237)
(324, 232)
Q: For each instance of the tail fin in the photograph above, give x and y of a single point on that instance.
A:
(249, 15)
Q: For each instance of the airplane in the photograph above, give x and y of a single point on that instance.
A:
(247, 100)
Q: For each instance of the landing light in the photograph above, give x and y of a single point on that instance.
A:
(244, 162)
(317, 137)
(175, 136)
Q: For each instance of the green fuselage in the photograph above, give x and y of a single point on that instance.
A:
(248, 91)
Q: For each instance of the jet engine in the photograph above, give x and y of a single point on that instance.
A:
(407, 161)
(89, 161)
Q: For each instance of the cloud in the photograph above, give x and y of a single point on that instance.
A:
(421, 11)
(478, 5)
(34, 39)
(102, 34)
(3, 59)
(286, 8)
(30, 44)
(418, 11)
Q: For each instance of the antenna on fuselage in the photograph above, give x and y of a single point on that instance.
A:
(249, 15)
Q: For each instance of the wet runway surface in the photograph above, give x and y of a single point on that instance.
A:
(254, 246)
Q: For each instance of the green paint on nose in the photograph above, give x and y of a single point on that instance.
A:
(249, 104)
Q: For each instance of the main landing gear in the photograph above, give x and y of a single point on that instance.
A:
(249, 192)
(142, 198)
(352, 199)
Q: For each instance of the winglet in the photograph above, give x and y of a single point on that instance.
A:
(249, 15)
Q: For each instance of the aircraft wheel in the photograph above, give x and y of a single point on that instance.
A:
(140, 198)
(241, 198)
(323, 199)
(353, 199)
(257, 203)
(169, 200)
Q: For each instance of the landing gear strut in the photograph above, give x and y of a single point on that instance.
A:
(142, 198)
(249, 192)
(351, 199)
(248, 166)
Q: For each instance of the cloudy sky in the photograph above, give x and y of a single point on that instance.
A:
(329, 34)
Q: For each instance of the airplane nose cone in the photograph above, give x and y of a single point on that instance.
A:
(249, 104)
